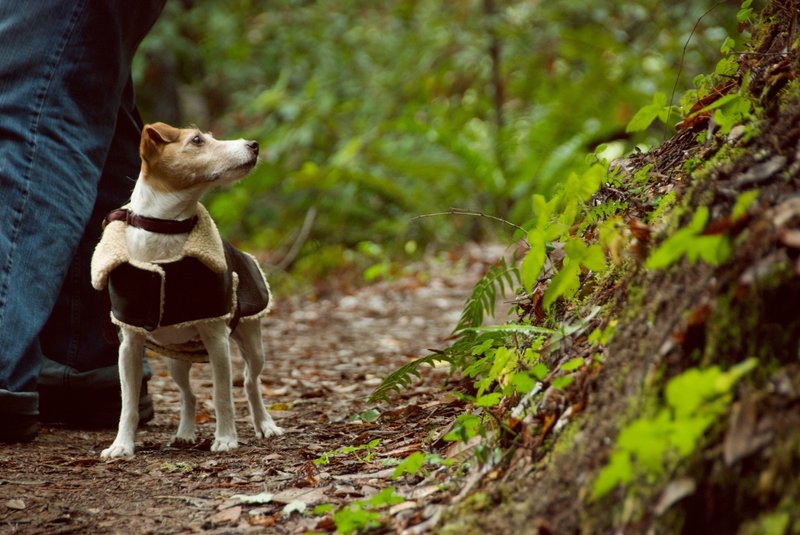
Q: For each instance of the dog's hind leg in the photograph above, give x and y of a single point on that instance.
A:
(215, 339)
(248, 337)
(179, 370)
(131, 353)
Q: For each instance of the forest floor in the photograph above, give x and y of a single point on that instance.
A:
(325, 356)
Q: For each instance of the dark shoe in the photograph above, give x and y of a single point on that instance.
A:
(19, 416)
(19, 428)
(89, 398)
(83, 407)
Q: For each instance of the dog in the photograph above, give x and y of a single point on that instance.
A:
(176, 287)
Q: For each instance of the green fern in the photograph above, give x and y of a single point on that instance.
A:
(601, 212)
(402, 376)
(500, 277)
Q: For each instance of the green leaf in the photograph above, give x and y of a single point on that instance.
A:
(572, 364)
(540, 371)
(489, 400)
(732, 113)
(466, 427)
(720, 102)
(743, 203)
(643, 118)
(322, 509)
(727, 66)
(564, 283)
(594, 258)
(714, 250)
(410, 465)
(534, 260)
(369, 415)
(385, 497)
(523, 382)
(618, 471)
(727, 45)
(562, 382)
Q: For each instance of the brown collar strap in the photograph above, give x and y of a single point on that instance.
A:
(152, 224)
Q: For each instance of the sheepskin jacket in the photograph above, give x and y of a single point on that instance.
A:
(210, 280)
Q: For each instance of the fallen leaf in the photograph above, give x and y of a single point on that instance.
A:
(786, 211)
(17, 505)
(404, 506)
(743, 438)
(674, 491)
(326, 524)
(295, 506)
(254, 499)
(307, 495)
(381, 474)
(228, 515)
(790, 238)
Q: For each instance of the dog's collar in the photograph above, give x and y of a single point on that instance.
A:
(152, 224)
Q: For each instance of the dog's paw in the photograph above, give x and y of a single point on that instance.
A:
(268, 429)
(117, 451)
(224, 444)
(183, 441)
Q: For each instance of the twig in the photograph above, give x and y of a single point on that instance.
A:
(460, 211)
(305, 230)
(685, 46)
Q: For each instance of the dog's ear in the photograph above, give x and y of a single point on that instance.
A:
(162, 133)
(154, 136)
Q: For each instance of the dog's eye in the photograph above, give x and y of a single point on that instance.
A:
(197, 140)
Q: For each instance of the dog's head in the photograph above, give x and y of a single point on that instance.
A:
(175, 159)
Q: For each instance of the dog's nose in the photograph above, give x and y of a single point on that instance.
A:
(253, 146)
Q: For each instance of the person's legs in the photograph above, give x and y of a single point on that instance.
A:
(63, 70)
(79, 380)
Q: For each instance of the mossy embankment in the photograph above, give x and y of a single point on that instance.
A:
(742, 476)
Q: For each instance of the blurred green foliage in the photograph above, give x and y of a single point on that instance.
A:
(373, 112)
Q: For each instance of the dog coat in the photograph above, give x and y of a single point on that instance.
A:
(210, 280)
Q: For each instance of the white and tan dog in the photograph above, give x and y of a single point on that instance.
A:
(178, 166)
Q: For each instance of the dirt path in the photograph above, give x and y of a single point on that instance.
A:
(324, 359)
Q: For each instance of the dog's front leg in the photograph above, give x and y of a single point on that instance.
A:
(131, 353)
(215, 339)
(248, 337)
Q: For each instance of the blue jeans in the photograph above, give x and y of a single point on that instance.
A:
(69, 134)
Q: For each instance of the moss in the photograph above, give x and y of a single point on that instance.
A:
(769, 524)
(567, 440)
(762, 323)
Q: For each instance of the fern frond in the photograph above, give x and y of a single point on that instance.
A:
(513, 328)
(500, 277)
(402, 377)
